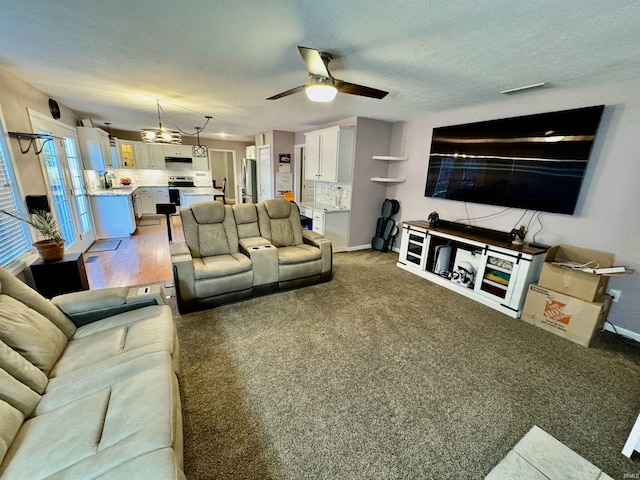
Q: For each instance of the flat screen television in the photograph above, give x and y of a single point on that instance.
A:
(534, 162)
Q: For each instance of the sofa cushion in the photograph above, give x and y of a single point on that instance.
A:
(30, 334)
(277, 208)
(137, 332)
(17, 394)
(298, 254)
(11, 286)
(10, 422)
(212, 240)
(220, 266)
(100, 431)
(246, 217)
(21, 369)
(208, 212)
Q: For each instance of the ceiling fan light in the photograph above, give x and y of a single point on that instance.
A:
(321, 93)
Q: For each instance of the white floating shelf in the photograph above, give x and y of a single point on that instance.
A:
(390, 159)
(387, 180)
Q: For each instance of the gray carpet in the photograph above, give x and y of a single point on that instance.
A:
(380, 374)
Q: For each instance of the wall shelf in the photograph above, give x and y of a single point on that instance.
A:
(384, 158)
(387, 180)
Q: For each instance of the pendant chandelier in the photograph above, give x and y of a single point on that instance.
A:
(165, 136)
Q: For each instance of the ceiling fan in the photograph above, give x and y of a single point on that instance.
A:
(322, 87)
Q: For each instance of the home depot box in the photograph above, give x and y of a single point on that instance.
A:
(571, 281)
(569, 317)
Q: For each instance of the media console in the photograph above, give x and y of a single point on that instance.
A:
(502, 271)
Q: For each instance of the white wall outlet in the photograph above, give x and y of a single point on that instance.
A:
(615, 294)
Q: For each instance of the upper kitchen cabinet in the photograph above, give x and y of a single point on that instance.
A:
(329, 154)
(126, 157)
(181, 151)
(200, 164)
(146, 156)
(140, 155)
(95, 148)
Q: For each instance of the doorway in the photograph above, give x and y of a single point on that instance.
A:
(223, 165)
(62, 170)
(305, 189)
(265, 173)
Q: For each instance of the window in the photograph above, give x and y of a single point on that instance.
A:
(15, 235)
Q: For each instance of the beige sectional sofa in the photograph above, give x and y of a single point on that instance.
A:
(98, 401)
(236, 252)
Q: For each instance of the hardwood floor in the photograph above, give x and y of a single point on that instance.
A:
(141, 258)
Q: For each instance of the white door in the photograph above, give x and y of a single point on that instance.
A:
(265, 173)
(66, 190)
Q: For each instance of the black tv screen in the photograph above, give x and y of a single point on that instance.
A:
(534, 162)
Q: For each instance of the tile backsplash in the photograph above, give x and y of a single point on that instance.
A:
(334, 194)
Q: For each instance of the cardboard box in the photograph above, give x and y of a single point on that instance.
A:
(569, 317)
(573, 282)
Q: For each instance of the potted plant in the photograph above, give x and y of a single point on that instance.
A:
(52, 247)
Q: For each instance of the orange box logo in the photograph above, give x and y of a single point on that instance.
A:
(555, 311)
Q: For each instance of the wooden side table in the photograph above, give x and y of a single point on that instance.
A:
(55, 278)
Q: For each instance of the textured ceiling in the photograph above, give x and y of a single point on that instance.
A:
(111, 60)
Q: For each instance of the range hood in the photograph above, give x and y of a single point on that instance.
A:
(178, 159)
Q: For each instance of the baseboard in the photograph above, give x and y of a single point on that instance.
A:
(358, 247)
(622, 331)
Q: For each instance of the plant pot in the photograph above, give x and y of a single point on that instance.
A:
(49, 251)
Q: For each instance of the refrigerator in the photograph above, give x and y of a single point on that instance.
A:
(249, 183)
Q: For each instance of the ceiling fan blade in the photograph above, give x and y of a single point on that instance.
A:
(314, 62)
(288, 92)
(353, 89)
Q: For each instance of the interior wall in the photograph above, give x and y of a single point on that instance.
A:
(16, 96)
(606, 216)
(372, 137)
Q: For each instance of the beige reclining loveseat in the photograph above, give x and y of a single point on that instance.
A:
(99, 401)
(236, 252)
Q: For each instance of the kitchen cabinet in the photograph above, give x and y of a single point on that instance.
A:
(333, 225)
(126, 156)
(146, 157)
(148, 197)
(180, 151)
(114, 215)
(200, 164)
(329, 154)
(140, 155)
(95, 148)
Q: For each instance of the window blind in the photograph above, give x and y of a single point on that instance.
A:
(15, 239)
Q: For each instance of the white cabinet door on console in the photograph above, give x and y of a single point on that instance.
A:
(503, 272)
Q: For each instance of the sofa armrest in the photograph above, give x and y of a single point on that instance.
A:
(92, 305)
(183, 271)
(324, 244)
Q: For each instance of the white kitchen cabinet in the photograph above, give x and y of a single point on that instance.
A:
(114, 215)
(95, 148)
(200, 164)
(333, 225)
(126, 155)
(329, 154)
(180, 151)
(146, 157)
(148, 197)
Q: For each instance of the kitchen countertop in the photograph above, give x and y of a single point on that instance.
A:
(124, 191)
(323, 206)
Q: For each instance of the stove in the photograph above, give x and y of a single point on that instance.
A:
(183, 191)
(181, 181)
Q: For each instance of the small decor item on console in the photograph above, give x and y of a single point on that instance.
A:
(464, 274)
(433, 218)
(517, 236)
(386, 228)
